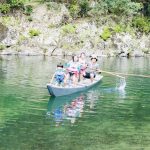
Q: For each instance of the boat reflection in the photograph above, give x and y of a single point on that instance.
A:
(68, 109)
(63, 109)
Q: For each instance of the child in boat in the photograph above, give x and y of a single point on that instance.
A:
(93, 66)
(60, 74)
(83, 63)
(73, 69)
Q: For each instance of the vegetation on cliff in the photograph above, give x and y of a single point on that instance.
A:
(111, 27)
(136, 12)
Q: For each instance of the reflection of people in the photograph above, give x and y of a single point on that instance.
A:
(68, 111)
(58, 116)
(75, 109)
(92, 68)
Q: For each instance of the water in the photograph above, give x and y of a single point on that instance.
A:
(106, 119)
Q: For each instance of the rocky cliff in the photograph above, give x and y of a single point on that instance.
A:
(52, 31)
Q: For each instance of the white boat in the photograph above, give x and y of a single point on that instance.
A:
(56, 90)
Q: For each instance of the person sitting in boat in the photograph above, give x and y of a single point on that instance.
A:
(60, 74)
(92, 68)
(73, 68)
(83, 63)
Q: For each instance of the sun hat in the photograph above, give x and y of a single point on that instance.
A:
(93, 56)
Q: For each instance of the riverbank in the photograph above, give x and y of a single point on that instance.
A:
(52, 31)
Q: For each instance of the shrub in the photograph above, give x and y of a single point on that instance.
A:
(4, 8)
(118, 7)
(34, 32)
(118, 29)
(28, 10)
(126, 7)
(84, 7)
(142, 23)
(99, 9)
(74, 10)
(68, 29)
(21, 39)
(106, 34)
(16, 3)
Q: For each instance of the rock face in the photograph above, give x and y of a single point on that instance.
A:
(56, 38)
(3, 32)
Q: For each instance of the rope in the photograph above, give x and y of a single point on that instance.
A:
(130, 74)
(112, 73)
(127, 74)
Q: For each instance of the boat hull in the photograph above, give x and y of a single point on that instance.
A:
(61, 91)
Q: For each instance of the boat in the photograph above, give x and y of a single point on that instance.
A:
(56, 90)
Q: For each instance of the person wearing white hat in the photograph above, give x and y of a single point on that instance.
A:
(93, 66)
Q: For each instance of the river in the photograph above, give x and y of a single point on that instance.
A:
(105, 118)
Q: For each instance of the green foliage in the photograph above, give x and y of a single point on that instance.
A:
(34, 32)
(126, 7)
(106, 34)
(28, 10)
(84, 7)
(79, 8)
(74, 10)
(118, 7)
(68, 29)
(100, 8)
(21, 39)
(142, 23)
(4, 8)
(2, 47)
(16, 3)
(53, 6)
(118, 29)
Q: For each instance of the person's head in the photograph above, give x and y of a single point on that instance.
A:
(75, 58)
(82, 55)
(60, 66)
(94, 58)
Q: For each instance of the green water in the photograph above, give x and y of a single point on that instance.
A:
(110, 119)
